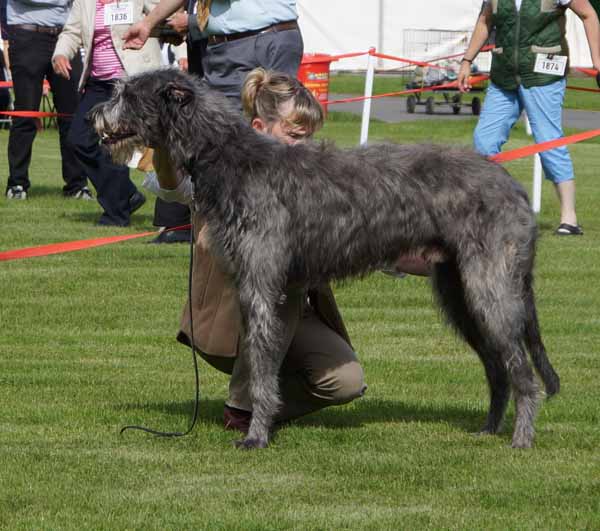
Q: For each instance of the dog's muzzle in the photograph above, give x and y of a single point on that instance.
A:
(112, 138)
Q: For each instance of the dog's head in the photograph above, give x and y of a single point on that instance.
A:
(165, 108)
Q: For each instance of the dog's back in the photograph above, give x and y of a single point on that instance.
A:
(386, 199)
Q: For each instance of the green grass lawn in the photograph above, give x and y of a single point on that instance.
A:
(87, 345)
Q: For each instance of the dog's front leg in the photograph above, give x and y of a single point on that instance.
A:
(264, 355)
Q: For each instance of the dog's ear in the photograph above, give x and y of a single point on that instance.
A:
(177, 93)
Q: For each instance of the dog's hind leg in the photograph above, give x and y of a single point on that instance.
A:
(533, 341)
(448, 288)
(495, 299)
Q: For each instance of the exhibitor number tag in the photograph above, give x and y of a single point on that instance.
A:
(118, 13)
(554, 65)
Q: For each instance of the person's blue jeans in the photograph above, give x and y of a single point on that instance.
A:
(543, 105)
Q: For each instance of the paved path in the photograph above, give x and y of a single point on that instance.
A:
(393, 110)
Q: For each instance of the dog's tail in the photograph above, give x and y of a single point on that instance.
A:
(533, 341)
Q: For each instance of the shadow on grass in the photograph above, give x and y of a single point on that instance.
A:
(91, 218)
(44, 190)
(364, 411)
(546, 226)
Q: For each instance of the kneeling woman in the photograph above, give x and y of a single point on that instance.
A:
(321, 368)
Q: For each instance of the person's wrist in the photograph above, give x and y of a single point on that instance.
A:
(466, 60)
(149, 22)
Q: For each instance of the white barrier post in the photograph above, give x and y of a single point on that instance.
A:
(536, 201)
(366, 114)
(536, 192)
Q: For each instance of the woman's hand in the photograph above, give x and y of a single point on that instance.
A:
(464, 76)
(179, 22)
(62, 66)
(136, 36)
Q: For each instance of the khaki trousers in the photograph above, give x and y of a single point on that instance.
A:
(319, 370)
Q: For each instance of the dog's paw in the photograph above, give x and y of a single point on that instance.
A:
(522, 443)
(251, 444)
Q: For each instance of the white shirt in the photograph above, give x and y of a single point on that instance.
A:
(182, 194)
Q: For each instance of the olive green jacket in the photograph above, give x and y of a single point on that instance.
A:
(537, 28)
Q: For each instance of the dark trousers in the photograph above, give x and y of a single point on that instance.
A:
(30, 56)
(113, 186)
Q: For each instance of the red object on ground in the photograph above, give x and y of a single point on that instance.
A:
(526, 151)
(314, 75)
(66, 247)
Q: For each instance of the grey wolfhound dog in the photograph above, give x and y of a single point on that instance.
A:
(311, 213)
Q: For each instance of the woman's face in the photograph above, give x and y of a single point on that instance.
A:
(280, 129)
(287, 134)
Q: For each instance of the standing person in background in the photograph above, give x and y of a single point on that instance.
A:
(98, 26)
(230, 39)
(4, 34)
(529, 68)
(4, 68)
(33, 28)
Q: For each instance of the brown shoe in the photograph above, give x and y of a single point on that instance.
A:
(236, 419)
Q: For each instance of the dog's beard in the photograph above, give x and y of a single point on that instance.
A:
(120, 140)
(122, 150)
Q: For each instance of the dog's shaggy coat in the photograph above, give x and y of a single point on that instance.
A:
(311, 213)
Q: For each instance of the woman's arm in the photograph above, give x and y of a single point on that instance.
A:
(480, 36)
(137, 35)
(584, 10)
(166, 183)
(167, 178)
(69, 41)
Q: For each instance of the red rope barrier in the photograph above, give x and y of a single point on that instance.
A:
(331, 58)
(588, 71)
(583, 89)
(9, 84)
(34, 114)
(543, 146)
(409, 61)
(451, 85)
(484, 49)
(67, 247)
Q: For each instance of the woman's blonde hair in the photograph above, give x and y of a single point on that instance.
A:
(265, 91)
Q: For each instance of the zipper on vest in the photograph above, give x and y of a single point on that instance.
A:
(516, 43)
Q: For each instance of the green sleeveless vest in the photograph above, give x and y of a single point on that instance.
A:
(539, 27)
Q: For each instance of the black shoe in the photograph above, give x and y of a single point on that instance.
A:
(105, 221)
(136, 201)
(173, 236)
(564, 229)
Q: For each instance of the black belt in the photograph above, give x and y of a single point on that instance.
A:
(281, 26)
(52, 30)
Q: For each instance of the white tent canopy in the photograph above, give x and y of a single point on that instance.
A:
(419, 30)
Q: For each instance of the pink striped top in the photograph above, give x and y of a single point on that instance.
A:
(105, 61)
